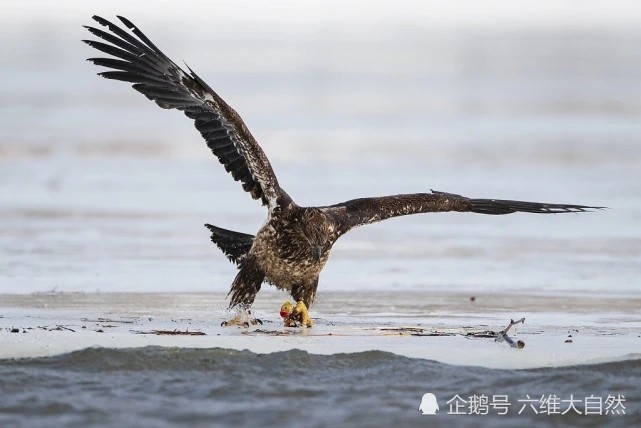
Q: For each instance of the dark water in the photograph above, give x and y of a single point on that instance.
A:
(159, 387)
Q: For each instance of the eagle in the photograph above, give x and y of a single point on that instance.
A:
(291, 248)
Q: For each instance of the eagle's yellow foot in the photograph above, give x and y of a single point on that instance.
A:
(242, 319)
(295, 316)
(301, 314)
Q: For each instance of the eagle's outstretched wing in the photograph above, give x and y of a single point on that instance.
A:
(139, 61)
(358, 212)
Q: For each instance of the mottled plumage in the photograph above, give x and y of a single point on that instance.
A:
(290, 250)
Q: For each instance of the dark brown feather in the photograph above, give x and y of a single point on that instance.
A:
(246, 284)
(234, 245)
(138, 61)
(358, 212)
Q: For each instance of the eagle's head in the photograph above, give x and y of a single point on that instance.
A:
(319, 230)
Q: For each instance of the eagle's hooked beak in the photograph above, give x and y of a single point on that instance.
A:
(317, 251)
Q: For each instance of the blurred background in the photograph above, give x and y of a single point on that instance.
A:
(100, 190)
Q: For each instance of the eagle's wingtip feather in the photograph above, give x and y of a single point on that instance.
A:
(125, 21)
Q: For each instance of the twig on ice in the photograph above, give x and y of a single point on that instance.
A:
(502, 336)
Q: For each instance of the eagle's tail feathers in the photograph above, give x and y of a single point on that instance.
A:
(234, 245)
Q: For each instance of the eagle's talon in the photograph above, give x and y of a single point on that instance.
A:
(242, 319)
(295, 316)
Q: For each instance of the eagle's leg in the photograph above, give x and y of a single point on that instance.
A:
(243, 292)
(305, 292)
(304, 295)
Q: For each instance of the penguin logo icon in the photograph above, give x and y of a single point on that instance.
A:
(429, 405)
